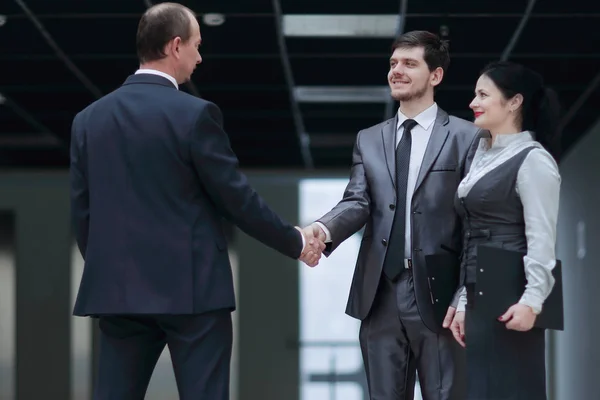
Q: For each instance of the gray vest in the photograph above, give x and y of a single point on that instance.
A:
(492, 214)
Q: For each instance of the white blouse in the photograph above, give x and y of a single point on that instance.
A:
(538, 186)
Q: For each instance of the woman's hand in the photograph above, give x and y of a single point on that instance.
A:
(458, 327)
(519, 317)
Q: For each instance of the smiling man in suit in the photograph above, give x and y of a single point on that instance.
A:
(405, 172)
(152, 178)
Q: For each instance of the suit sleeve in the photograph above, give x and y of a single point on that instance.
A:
(80, 201)
(460, 297)
(352, 212)
(217, 167)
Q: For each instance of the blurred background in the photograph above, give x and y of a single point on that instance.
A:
(296, 80)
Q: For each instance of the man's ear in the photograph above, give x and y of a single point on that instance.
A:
(436, 76)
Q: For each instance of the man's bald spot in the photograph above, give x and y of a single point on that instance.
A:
(163, 7)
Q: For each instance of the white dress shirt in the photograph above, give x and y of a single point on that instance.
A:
(538, 186)
(159, 73)
(420, 138)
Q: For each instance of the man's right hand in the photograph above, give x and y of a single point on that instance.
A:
(314, 238)
(316, 231)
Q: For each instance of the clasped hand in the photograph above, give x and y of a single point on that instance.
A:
(315, 244)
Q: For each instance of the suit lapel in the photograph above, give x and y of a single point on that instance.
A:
(436, 142)
(388, 134)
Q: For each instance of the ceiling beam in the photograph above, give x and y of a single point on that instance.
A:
(303, 138)
(389, 105)
(59, 52)
(518, 31)
(189, 84)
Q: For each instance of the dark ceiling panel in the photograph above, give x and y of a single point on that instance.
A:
(104, 35)
(563, 71)
(325, 118)
(88, 6)
(247, 123)
(340, 71)
(454, 101)
(47, 102)
(341, 110)
(31, 73)
(467, 6)
(19, 36)
(340, 47)
(470, 35)
(348, 124)
(465, 71)
(240, 35)
(560, 35)
(257, 101)
(105, 72)
(573, 6)
(245, 71)
(332, 7)
(229, 6)
(11, 123)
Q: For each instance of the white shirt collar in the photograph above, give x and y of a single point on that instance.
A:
(159, 73)
(509, 139)
(424, 119)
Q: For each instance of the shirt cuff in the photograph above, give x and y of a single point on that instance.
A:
(327, 233)
(533, 301)
(462, 300)
(302, 236)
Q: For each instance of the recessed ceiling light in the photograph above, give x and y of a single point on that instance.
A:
(2, 20)
(341, 94)
(213, 19)
(313, 25)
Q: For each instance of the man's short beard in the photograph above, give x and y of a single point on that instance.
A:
(411, 96)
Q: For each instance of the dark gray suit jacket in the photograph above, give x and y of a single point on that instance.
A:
(371, 194)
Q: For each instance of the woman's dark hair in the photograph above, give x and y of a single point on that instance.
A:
(540, 110)
(160, 24)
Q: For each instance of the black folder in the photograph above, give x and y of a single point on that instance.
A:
(443, 271)
(501, 282)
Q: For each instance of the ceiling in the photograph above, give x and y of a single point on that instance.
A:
(58, 56)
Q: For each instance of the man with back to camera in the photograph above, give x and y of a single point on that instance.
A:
(404, 176)
(152, 176)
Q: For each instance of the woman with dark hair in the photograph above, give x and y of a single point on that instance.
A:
(509, 199)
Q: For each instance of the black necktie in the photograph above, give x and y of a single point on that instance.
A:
(394, 258)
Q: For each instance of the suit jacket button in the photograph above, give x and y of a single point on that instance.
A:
(384, 242)
(392, 206)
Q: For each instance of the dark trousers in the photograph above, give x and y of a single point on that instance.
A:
(396, 344)
(200, 347)
(502, 364)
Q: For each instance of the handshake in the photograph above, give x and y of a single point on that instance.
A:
(314, 239)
